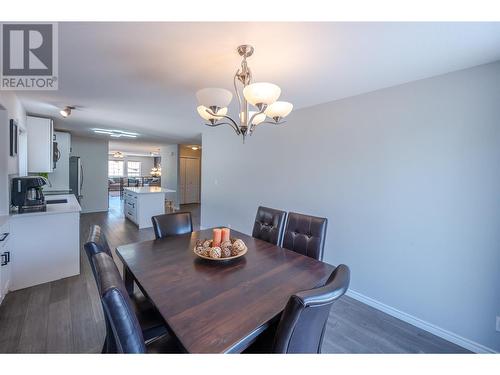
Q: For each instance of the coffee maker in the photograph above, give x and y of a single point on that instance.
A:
(27, 195)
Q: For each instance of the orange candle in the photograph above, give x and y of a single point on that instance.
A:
(225, 234)
(217, 237)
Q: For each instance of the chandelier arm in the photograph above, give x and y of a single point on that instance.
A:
(250, 122)
(272, 123)
(232, 125)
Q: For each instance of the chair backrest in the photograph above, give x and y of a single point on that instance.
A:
(117, 307)
(172, 224)
(96, 243)
(303, 322)
(269, 225)
(305, 234)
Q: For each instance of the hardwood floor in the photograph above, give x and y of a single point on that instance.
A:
(65, 316)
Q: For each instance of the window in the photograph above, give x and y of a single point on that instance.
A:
(115, 168)
(134, 168)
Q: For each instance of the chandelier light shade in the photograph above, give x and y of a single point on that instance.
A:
(279, 110)
(261, 93)
(263, 96)
(208, 115)
(259, 118)
(213, 97)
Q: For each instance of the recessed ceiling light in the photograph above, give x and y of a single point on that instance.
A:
(194, 148)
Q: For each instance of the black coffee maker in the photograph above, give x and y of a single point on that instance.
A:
(27, 195)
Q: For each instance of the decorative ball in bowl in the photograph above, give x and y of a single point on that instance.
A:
(227, 250)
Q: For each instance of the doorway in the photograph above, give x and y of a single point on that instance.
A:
(189, 184)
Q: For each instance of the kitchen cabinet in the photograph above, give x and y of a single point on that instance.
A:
(5, 260)
(142, 203)
(40, 144)
(59, 178)
(45, 244)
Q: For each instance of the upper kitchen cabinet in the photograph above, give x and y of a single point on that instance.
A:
(40, 146)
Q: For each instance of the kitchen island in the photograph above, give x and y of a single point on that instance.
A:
(45, 245)
(141, 203)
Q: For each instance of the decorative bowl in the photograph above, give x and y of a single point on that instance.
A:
(198, 250)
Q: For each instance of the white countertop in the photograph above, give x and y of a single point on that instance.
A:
(55, 208)
(149, 190)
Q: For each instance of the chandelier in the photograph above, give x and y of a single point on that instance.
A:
(262, 96)
(156, 171)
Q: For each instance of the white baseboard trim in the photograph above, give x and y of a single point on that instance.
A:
(426, 326)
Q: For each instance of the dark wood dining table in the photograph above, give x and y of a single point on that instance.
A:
(219, 306)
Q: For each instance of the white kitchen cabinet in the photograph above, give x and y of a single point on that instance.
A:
(141, 203)
(59, 178)
(45, 244)
(5, 260)
(40, 150)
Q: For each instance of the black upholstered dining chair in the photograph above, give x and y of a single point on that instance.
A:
(172, 224)
(303, 322)
(150, 320)
(125, 327)
(269, 224)
(305, 234)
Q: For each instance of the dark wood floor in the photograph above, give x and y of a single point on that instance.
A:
(65, 316)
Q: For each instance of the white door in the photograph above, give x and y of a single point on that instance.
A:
(190, 180)
(182, 182)
(193, 180)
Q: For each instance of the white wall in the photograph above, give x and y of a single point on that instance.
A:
(94, 158)
(10, 165)
(409, 178)
(170, 171)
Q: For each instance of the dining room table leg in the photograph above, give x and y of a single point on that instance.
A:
(128, 279)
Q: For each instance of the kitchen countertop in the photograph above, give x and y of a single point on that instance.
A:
(149, 190)
(56, 208)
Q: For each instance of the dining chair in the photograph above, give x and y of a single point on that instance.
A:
(119, 312)
(302, 325)
(269, 224)
(172, 224)
(150, 320)
(305, 234)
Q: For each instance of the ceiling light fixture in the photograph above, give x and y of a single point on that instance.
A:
(115, 133)
(66, 111)
(195, 148)
(213, 102)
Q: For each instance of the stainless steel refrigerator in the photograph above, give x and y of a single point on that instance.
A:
(76, 176)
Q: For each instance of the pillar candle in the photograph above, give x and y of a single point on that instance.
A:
(226, 232)
(217, 237)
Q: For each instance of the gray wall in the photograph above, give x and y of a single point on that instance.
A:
(94, 157)
(409, 178)
(170, 170)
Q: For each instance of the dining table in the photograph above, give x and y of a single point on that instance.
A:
(217, 306)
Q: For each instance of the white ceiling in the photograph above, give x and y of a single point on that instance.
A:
(143, 76)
